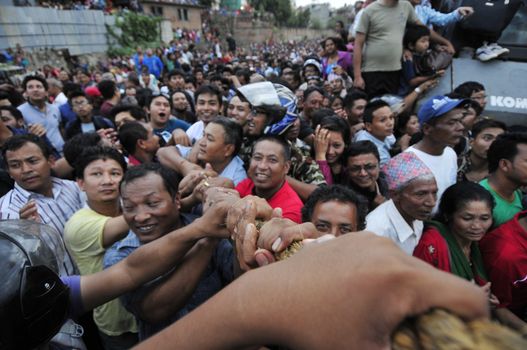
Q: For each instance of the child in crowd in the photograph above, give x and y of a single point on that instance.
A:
(407, 126)
(417, 41)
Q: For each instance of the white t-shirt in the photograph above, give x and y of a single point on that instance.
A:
(195, 132)
(444, 168)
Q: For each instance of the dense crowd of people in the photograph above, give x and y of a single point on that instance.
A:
(164, 176)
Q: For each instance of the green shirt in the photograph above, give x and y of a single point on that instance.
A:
(504, 210)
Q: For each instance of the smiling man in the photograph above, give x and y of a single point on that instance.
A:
(151, 205)
(208, 106)
(268, 168)
(413, 197)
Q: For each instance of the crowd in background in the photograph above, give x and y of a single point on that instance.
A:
(338, 133)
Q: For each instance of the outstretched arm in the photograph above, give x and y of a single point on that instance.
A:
(349, 292)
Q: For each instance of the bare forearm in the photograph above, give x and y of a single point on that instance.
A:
(302, 189)
(144, 264)
(114, 230)
(248, 320)
(163, 301)
(357, 55)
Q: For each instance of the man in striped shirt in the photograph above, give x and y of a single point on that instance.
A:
(37, 195)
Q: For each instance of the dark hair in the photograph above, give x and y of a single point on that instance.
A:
(232, 132)
(16, 142)
(350, 98)
(129, 133)
(487, 124)
(467, 88)
(190, 79)
(339, 193)
(91, 154)
(69, 87)
(337, 124)
(311, 90)
(460, 194)
(371, 107)
(323, 43)
(402, 119)
(286, 149)
(504, 147)
(176, 72)
(245, 73)
(74, 146)
(170, 177)
(28, 78)
(208, 89)
(142, 95)
(136, 112)
(470, 102)
(4, 95)
(414, 33)
(14, 111)
(320, 114)
(333, 98)
(363, 147)
(153, 96)
(77, 93)
(107, 88)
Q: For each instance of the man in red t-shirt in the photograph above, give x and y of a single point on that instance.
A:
(267, 177)
(504, 252)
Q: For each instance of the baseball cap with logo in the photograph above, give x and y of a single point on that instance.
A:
(437, 106)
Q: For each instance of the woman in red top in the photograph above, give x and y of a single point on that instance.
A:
(450, 243)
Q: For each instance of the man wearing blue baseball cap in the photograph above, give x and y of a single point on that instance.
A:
(440, 119)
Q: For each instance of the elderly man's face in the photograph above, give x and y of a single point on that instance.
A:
(335, 217)
(417, 200)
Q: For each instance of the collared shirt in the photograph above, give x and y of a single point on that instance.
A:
(50, 119)
(383, 146)
(60, 99)
(67, 199)
(386, 221)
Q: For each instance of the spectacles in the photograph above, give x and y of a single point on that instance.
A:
(355, 169)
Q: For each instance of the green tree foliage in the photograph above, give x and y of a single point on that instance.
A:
(281, 9)
(299, 18)
(133, 30)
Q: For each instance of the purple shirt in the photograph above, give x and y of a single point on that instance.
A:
(76, 308)
(345, 61)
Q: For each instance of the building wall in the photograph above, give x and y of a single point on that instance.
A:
(81, 32)
(176, 14)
